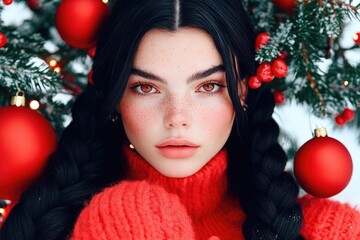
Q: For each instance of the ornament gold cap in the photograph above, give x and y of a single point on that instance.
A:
(320, 132)
(18, 100)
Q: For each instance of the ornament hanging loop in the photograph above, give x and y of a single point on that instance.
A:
(19, 99)
(320, 132)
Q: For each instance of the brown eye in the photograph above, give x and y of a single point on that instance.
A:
(208, 87)
(146, 88)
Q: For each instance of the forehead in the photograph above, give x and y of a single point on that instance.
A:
(186, 48)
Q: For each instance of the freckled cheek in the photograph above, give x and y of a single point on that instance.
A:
(218, 118)
(137, 120)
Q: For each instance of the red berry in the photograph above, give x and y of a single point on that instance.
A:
(34, 5)
(2, 40)
(261, 40)
(264, 73)
(90, 80)
(348, 114)
(254, 82)
(279, 97)
(283, 55)
(356, 38)
(285, 5)
(279, 68)
(7, 2)
(91, 52)
(340, 120)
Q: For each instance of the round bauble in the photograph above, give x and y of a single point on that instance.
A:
(78, 22)
(26, 141)
(323, 166)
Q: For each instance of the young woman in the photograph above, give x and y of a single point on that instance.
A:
(170, 143)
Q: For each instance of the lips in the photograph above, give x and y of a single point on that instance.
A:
(177, 148)
(176, 142)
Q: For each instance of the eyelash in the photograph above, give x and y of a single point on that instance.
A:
(141, 83)
(216, 83)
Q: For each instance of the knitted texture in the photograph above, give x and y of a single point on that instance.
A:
(133, 210)
(325, 219)
(213, 212)
(149, 205)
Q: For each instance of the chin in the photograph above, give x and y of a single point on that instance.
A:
(179, 171)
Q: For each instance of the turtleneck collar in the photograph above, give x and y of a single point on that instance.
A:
(201, 193)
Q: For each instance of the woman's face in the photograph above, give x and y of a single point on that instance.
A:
(176, 109)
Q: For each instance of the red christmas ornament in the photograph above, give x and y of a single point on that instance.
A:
(91, 52)
(2, 40)
(285, 5)
(34, 5)
(78, 22)
(356, 38)
(26, 141)
(264, 72)
(279, 97)
(279, 68)
(261, 40)
(340, 121)
(323, 165)
(7, 2)
(348, 114)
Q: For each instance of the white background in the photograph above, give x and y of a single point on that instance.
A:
(294, 119)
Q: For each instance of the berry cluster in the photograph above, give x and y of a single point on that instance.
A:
(346, 116)
(266, 71)
(3, 38)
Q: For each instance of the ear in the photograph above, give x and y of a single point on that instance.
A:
(243, 91)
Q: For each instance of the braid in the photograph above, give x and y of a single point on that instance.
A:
(268, 195)
(75, 171)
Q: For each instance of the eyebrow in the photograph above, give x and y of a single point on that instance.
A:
(194, 77)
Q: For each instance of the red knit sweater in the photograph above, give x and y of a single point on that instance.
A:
(152, 206)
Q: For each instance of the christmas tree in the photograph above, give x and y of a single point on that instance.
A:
(298, 49)
(300, 36)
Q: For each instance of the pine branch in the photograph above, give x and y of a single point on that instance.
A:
(18, 61)
(309, 36)
(24, 64)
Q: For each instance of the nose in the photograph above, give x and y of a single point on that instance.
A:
(178, 113)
